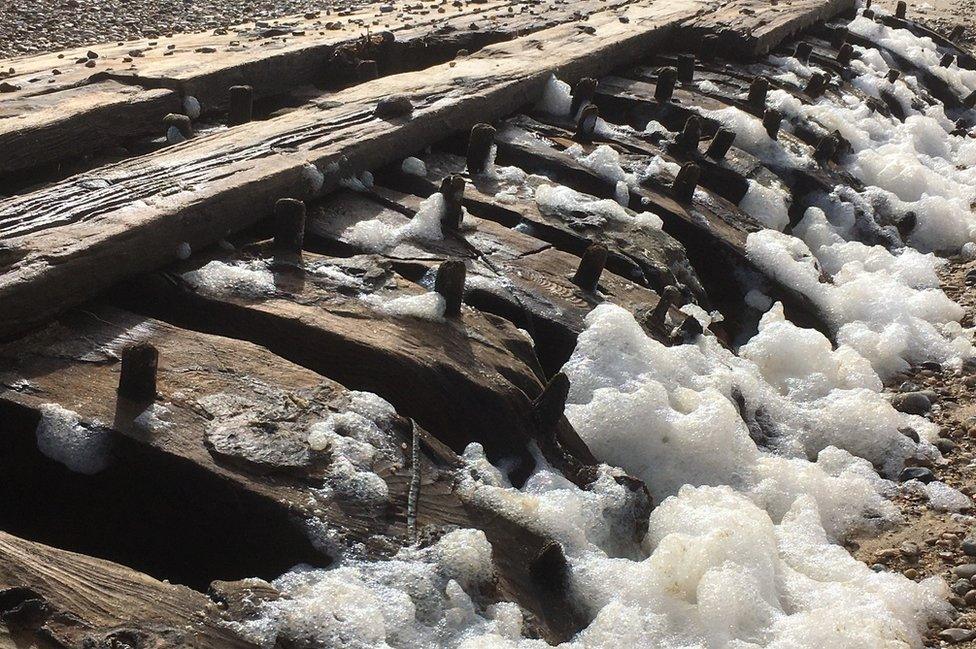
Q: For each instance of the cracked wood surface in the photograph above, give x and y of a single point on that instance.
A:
(236, 411)
(68, 241)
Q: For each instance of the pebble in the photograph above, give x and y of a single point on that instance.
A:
(919, 473)
(969, 547)
(395, 106)
(965, 571)
(29, 26)
(912, 403)
(962, 586)
(955, 635)
(944, 445)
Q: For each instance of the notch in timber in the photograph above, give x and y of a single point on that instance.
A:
(591, 267)
(241, 108)
(548, 408)
(449, 284)
(452, 189)
(480, 141)
(720, 144)
(137, 379)
(586, 126)
(289, 225)
(367, 70)
(957, 33)
(758, 90)
(666, 78)
(900, 9)
(583, 93)
(686, 181)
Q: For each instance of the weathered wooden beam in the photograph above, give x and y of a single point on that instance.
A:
(133, 216)
(51, 597)
(78, 110)
(228, 416)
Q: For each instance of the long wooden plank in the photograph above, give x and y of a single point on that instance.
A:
(234, 411)
(64, 109)
(50, 597)
(134, 216)
(752, 28)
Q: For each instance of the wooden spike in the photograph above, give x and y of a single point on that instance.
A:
(549, 568)
(826, 148)
(480, 141)
(845, 53)
(772, 119)
(181, 122)
(449, 283)
(690, 135)
(452, 188)
(289, 226)
(803, 51)
(957, 33)
(757, 92)
(720, 144)
(686, 67)
(900, 9)
(548, 408)
(947, 60)
(241, 105)
(666, 78)
(137, 379)
(586, 125)
(893, 75)
(868, 13)
(591, 267)
(670, 296)
(687, 331)
(816, 85)
(583, 93)
(686, 181)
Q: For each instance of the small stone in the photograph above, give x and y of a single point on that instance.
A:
(877, 567)
(8, 87)
(919, 473)
(912, 403)
(911, 573)
(965, 571)
(956, 635)
(969, 547)
(961, 587)
(970, 598)
(910, 433)
(944, 445)
(395, 106)
(92, 55)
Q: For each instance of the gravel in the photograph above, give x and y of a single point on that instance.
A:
(28, 26)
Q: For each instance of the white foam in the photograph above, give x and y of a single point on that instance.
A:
(768, 205)
(378, 235)
(584, 209)
(556, 99)
(247, 278)
(62, 437)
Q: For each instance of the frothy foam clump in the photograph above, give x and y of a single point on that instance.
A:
(417, 599)
(248, 278)
(377, 235)
(770, 206)
(752, 422)
(428, 306)
(584, 209)
(62, 437)
(887, 307)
